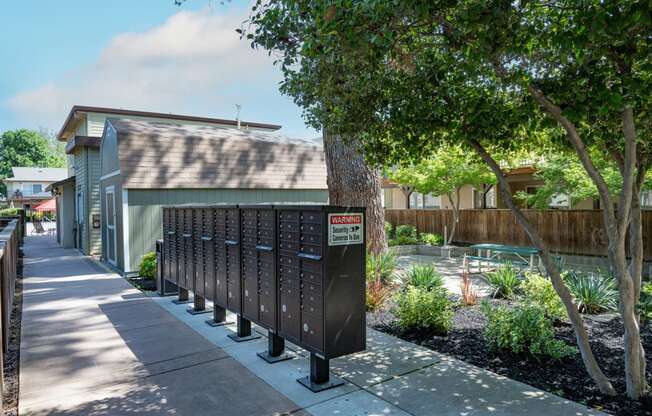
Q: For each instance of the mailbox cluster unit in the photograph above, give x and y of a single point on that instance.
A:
(296, 270)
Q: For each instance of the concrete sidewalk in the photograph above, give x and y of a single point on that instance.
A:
(92, 345)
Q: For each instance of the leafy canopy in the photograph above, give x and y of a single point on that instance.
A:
(445, 172)
(28, 148)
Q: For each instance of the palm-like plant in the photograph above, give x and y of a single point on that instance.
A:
(504, 281)
(422, 276)
(593, 292)
(381, 267)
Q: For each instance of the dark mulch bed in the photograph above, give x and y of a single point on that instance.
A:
(12, 357)
(566, 378)
(143, 283)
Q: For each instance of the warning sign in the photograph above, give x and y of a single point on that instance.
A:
(344, 229)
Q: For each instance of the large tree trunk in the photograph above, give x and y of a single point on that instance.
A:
(581, 336)
(352, 183)
(455, 206)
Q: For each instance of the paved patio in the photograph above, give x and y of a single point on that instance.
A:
(92, 345)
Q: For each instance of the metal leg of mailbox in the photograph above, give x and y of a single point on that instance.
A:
(167, 288)
(183, 297)
(275, 349)
(244, 331)
(219, 317)
(199, 306)
(319, 378)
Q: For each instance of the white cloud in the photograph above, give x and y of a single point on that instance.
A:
(193, 63)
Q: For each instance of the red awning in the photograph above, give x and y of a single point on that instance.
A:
(49, 205)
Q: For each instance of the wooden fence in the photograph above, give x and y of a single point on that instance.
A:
(10, 235)
(578, 232)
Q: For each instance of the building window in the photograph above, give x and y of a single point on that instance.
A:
(420, 201)
(37, 188)
(646, 199)
(491, 198)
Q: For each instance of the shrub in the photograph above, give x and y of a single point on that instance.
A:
(405, 234)
(504, 281)
(645, 304)
(381, 267)
(538, 290)
(389, 230)
(8, 211)
(523, 329)
(421, 309)
(147, 266)
(423, 276)
(377, 294)
(593, 292)
(432, 239)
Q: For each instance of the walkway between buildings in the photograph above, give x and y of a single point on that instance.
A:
(93, 345)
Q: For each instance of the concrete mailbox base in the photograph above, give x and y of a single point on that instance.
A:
(320, 378)
(244, 331)
(275, 350)
(183, 297)
(199, 306)
(219, 317)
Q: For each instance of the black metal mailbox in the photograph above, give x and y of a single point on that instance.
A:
(164, 287)
(321, 284)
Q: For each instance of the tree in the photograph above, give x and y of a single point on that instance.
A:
(445, 173)
(28, 148)
(563, 174)
(404, 77)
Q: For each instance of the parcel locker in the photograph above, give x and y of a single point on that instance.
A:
(321, 283)
(227, 258)
(207, 233)
(199, 272)
(188, 254)
(259, 291)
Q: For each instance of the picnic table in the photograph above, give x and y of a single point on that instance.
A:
(526, 255)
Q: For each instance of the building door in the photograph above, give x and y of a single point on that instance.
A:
(111, 243)
(80, 220)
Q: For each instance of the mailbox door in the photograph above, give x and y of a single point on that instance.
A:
(181, 269)
(219, 247)
(200, 272)
(208, 251)
(232, 242)
(248, 235)
(289, 315)
(189, 257)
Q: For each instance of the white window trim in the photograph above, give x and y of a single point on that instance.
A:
(111, 190)
(110, 175)
(125, 231)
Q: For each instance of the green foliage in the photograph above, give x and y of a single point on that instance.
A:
(593, 292)
(404, 235)
(538, 290)
(422, 309)
(147, 266)
(432, 239)
(381, 266)
(504, 281)
(389, 230)
(524, 328)
(9, 211)
(422, 276)
(645, 304)
(28, 148)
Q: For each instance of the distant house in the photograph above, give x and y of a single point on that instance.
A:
(147, 165)
(154, 159)
(82, 131)
(27, 186)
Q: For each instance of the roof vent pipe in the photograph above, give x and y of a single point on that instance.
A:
(237, 117)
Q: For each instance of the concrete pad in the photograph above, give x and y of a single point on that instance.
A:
(358, 403)
(455, 388)
(386, 357)
(197, 390)
(283, 375)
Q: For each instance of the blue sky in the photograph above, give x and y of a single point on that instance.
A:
(142, 55)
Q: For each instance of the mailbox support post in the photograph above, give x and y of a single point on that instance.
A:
(183, 296)
(219, 317)
(319, 379)
(199, 306)
(275, 349)
(244, 331)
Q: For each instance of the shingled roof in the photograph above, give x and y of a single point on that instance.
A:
(163, 155)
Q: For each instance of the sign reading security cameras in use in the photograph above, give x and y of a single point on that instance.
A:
(345, 229)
